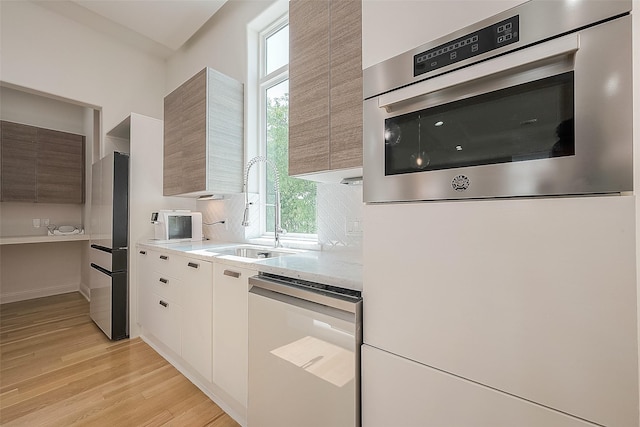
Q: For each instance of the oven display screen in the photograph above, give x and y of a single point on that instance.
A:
(481, 41)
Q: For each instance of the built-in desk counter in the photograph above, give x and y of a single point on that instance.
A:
(19, 240)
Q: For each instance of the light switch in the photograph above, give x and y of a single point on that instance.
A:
(36, 222)
(354, 226)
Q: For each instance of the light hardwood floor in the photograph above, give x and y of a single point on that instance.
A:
(58, 369)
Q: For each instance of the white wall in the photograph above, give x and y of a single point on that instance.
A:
(220, 44)
(37, 270)
(31, 109)
(43, 52)
(47, 52)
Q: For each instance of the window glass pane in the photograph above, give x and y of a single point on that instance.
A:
(297, 196)
(277, 49)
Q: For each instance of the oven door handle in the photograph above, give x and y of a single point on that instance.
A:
(562, 46)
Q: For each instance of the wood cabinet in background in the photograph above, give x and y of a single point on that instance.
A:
(18, 154)
(60, 168)
(41, 165)
(204, 136)
(325, 80)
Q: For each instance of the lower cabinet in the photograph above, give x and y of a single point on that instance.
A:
(175, 297)
(165, 320)
(195, 314)
(230, 326)
(399, 392)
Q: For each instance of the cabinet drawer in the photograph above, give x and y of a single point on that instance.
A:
(165, 318)
(190, 269)
(166, 286)
(423, 396)
(166, 263)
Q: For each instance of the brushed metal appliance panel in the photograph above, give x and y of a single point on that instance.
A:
(603, 129)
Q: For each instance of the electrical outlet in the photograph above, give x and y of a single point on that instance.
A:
(45, 222)
(36, 222)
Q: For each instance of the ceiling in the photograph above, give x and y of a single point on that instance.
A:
(158, 26)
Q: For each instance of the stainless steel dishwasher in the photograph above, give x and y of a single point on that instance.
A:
(304, 354)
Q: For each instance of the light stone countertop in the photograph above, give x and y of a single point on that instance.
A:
(341, 267)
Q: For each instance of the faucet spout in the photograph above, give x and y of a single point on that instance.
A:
(276, 187)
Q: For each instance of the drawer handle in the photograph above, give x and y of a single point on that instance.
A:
(231, 273)
(193, 264)
(164, 257)
(164, 304)
(163, 280)
(143, 252)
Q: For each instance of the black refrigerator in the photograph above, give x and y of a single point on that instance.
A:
(108, 281)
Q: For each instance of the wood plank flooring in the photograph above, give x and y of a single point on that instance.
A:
(58, 369)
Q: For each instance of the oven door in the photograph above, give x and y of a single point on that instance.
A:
(551, 119)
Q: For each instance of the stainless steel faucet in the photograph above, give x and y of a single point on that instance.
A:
(276, 187)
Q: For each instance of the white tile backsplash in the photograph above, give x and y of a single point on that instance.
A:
(340, 210)
(230, 209)
(339, 217)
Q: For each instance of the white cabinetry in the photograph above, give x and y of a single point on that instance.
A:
(197, 292)
(175, 305)
(230, 342)
(535, 297)
(399, 392)
(143, 276)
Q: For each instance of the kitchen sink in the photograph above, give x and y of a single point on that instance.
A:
(253, 252)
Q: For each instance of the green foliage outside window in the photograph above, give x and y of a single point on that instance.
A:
(297, 196)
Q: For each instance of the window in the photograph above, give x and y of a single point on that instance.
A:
(297, 197)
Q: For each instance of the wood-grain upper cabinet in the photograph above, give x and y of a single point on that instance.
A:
(308, 86)
(41, 165)
(203, 136)
(325, 99)
(346, 84)
(60, 168)
(19, 156)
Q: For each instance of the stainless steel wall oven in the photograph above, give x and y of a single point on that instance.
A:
(535, 101)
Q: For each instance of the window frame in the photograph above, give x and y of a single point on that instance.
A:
(264, 83)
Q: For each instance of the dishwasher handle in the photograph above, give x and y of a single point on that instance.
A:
(345, 303)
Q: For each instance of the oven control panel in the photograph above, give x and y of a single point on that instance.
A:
(481, 41)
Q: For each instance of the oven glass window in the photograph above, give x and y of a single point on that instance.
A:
(525, 122)
(179, 227)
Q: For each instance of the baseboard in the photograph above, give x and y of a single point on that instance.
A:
(36, 293)
(85, 291)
